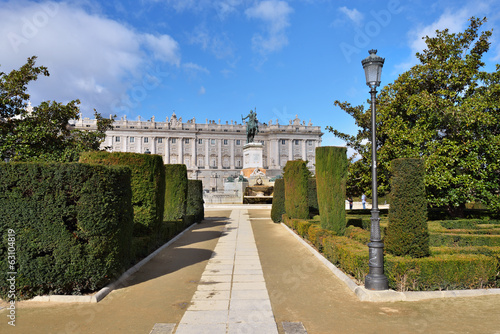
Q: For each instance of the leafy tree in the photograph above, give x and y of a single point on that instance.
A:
(445, 110)
(43, 133)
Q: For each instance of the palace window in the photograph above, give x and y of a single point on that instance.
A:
(238, 142)
(160, 140)
(212, 142)
(200, 141)
(186, 141)
(225, 141)
(146, 139)
(174, 140)
(117, 139)
(132, 139)
(283, 141)
(296, 142)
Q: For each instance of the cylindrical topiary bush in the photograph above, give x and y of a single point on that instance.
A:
(407, 232)
(195, 200)
(176, 188)
(278, 207)
(331, 180)
(296, 200)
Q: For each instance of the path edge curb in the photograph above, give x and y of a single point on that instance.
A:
(366, 295)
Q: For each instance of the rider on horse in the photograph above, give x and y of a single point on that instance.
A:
(252, 125)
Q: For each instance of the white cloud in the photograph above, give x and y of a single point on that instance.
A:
(353, 14)
(275, 15)
(90, 57)
(202, 91)
(454, 21)
(191, 67)
(164, 48)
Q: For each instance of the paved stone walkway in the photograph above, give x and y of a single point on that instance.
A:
(231, 295)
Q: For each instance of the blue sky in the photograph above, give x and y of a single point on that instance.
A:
(218, 59)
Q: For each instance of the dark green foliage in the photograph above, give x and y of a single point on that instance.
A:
(407, 232)
(195, 200)
(278, 207)
(296, 177)
(148, 186)
(72, 224)
(312, 197)
(331, 178)
(176, 189)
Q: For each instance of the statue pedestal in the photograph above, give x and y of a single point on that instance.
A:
(252, 155)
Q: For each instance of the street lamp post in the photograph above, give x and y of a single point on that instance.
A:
(375, 280)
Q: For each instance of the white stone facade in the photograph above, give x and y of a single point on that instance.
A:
(211, 151)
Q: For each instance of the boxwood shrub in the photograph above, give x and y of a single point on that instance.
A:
(195, 200)
(296, 177)
(278, 206)
(176, 188)
(331, 179)
(72, 225)
(407, 232)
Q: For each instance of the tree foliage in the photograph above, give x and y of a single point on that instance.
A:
(42, 133)
(445, 110)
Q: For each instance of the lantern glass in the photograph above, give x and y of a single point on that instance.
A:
(373, 68)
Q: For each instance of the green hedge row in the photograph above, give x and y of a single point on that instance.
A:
(463, 240)
(331, 178)
(195, 200)
(148, 186)
(175, 192)
(296, 176)
(278, 207)
(437, 272)
(72, 225)
(407, 232)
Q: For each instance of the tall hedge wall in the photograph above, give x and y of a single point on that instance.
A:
(72, 225)
(331, 180)
(176, 189)
(407, 232)
(278, 207)
(148, 186)
(296, 178)
(195, 200)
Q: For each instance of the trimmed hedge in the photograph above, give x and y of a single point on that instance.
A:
(195, 200)
(176, 188)
(438, 272)
(312, 197)
(331, 179)
(296, 177)
(463, 240)
(72, 225)
(407, 232)
(278, 207)
(148, 186)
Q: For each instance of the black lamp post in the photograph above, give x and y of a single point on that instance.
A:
(375, 280)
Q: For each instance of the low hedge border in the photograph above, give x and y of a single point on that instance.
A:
(463, 240)
(441, 271)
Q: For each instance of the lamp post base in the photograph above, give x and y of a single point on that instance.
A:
(376, 282)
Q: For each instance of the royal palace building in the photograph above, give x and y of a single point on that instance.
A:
(212, 151)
